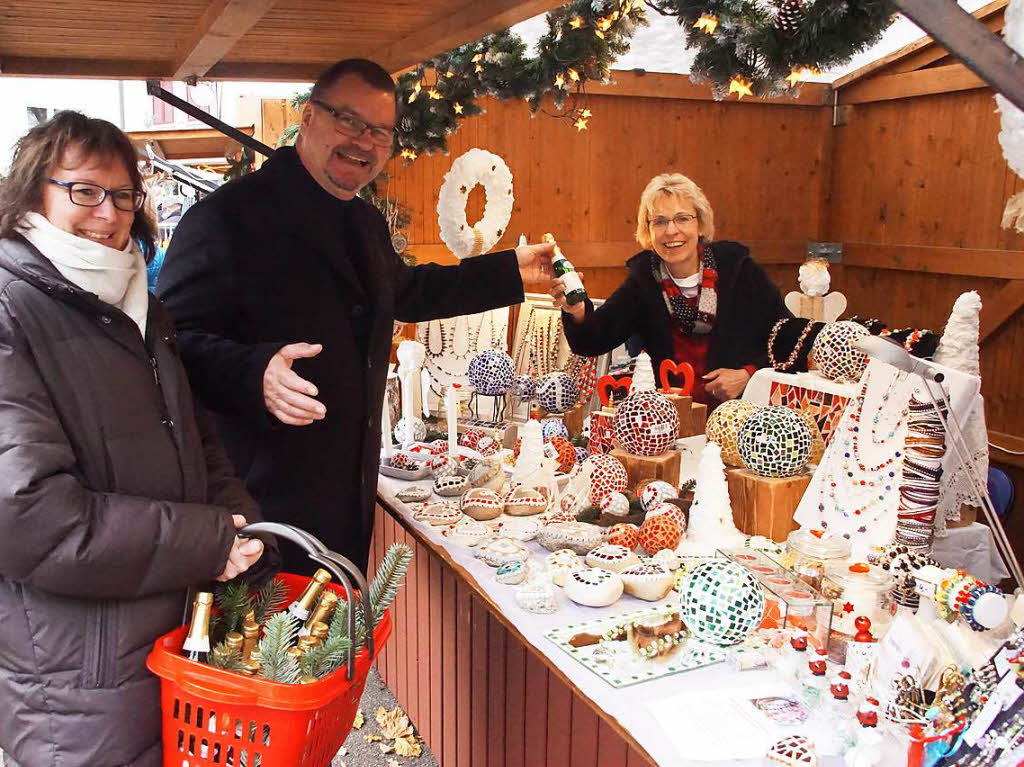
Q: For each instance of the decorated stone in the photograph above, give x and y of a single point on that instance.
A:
(512, 573)
(561, 563)
(553, 427)
(488, 445)
(611, 557)
(646, 423)
(419, 431)
(487, 473)
(413, 493)
(578, 536)
(444, 465)
(722, 602)
(834, 353)
(403, 461)
(775, 442)
(499, 551)
(655, 492)
(519, 528)
(793, 751)
(594, 587)
(668, 558)
(524, 387)
(471, 438)
(525, 502)
(607, 475)
(482, 504)
(660, 532)
(438, 447)
(615, 504)
(648, 580)
(624, 534)
(468, 532)
(439, 514)
(491, 372)
(724, 424)
(565, 453)
(537, 598)
(670, 510)
(557, 393)
(451, 485)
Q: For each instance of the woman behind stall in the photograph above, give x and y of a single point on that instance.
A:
(687, 297)
(114, 495)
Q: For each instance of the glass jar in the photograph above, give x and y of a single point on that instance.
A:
(810, 552)
(856, 590)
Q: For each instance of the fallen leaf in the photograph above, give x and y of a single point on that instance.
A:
(407, 746)
(359, 720)
(394, 763)
(372, 738)
(342, 751)
(394, 723)
(386, 748)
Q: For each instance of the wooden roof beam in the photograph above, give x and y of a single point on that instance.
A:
(466, 23)
(220, 27)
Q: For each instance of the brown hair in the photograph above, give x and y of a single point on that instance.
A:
(46, 145)
(370, 72)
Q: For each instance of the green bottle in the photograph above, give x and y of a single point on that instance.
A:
(562, 267)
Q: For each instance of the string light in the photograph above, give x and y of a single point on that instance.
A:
(408, 154)
(449, 74)
(586, 113)
(708, 22)
(801, 74)
(604, 23)
(580, 124)
(574, 75)
(599, 33)
(740, 87)
(559, 80)
(415, 92)
(457, 107)
(576, 22)
(434, 93)
(478, 68)
(477, 57)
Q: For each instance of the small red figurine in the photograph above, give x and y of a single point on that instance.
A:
(799, 640)
(867, 714)
(841, 686)
(863, 625)
(817, 667)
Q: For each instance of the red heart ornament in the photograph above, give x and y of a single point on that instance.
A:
(607, 384)
(671, 367)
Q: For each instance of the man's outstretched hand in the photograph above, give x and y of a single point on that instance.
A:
(287, 395)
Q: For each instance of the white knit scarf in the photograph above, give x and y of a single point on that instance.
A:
(117, 277)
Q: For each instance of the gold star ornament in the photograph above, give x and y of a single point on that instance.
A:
(708, 22)
(408, 154)
(740, 87)
(581, 124)
(801, 74)
(457, 107)
(576, 22)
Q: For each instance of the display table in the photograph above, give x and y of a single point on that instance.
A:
(486, 687)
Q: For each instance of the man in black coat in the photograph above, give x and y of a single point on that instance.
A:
(284, 287)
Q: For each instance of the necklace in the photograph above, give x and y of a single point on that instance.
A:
(797, 347)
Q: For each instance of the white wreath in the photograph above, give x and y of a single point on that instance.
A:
(1012, 134)
(476, 166)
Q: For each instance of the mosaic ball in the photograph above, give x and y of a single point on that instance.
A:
(624, 534)
(565, 454)
(607, 476)
(491, 372)
(553, 427)
(488, 445)
(655, 492)
(471, 438)
(669, 510)
(615, 504)
(724, 424)
(722, 603)
(646, 423)
(557, 393)
(834, 354)
(775, 442)
(419, 430)
(659, 532)
(524, 386)
(581, 454)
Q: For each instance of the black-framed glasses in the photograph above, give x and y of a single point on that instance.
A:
(92, 195)
(351, 126)
(680, 220)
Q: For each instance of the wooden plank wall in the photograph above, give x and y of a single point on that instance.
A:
(476, 695)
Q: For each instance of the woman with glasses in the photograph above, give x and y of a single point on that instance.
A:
(114, 496)
(686, 297)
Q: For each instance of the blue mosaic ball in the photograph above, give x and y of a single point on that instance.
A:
(524, 386)
(557, 393)
(491, 372)
(553, 427)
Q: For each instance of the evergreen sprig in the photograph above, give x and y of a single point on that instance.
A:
(226, 658)
(279, 633)
(322, 660)
(388, 579)
(270, 598)
(232, 597)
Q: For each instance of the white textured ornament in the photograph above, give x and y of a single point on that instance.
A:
(477, 166)
(611, 557)
(668, 558)
(643, 374)
(615, 504)
(413, 493)
(578, 536)
(655, 492)
(1011, 134)
(649, 580)
(537, 598)
(594, 587)
(499, 551)
(419, 430)
(519, 528)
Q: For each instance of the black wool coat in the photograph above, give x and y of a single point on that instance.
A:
(115, 497)
(273, 259)
(749, 305)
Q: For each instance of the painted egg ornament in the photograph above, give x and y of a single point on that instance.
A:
(557, 392)
(491, 372)
(723, 427)
(419, 430)
(775, 442)
(565, 454)
(722, 602)
(646, 423)
(553, 427)
(834, 353)
(615, 504)
(624, 534)
(655, 492)
(607, 475)
(659, 532)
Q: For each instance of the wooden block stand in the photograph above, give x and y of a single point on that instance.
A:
(573, 419)
(765, 505)
(641, 467)
(692, 415)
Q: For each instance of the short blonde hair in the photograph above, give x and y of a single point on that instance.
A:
(672, 185)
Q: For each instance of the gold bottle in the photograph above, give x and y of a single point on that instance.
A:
(250, 638)
(302, 606)
(319, 630)
(251, 668)
(233, 642)
(322, 613)
(197, 642)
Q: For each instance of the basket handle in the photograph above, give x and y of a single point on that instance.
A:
(340, 567)
(224, 691)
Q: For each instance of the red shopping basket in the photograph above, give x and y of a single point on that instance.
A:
(217, 717)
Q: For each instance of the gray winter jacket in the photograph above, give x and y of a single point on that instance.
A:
(114, 498)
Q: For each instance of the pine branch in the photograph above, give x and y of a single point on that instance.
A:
(223, 657)
(233, 599)
(388, 579)
(271, 597)
(279, 633)
(322, 660)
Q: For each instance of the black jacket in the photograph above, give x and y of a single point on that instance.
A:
(749, 305)
(273, 259)
(115, 496)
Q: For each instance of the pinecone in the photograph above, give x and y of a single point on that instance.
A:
(790, 16)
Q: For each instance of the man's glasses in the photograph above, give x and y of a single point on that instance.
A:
(351, 126)
(680, 219)
(92, 196)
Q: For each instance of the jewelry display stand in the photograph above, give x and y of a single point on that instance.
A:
(451, 343)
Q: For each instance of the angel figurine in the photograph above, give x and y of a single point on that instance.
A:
(814, 302)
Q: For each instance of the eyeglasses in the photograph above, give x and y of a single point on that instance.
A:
(680, 220)
(351, 126)
(92, 195)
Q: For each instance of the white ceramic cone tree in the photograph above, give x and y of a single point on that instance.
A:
(711, 524)
(958, 347)
(643, 374)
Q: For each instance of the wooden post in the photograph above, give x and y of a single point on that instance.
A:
(641, 467)
(692, 415)
(765, 505)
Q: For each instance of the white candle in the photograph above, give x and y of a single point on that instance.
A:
(385, 425)
(407, 411)
(451, 411)
(425, 392)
